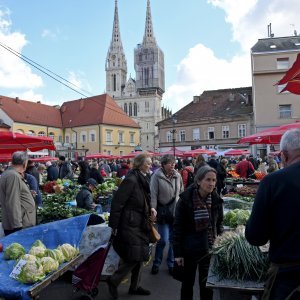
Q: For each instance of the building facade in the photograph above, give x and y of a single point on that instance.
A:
(78, 127)
(271, 58)
(214, 120)
(141, 97)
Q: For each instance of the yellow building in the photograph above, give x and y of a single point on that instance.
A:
(78, 127)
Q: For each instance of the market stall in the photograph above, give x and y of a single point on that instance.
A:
(52, 235)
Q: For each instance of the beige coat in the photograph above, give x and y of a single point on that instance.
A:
(17, 203)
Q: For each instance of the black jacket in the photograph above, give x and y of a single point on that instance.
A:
(186, 240)
(275, 215)
(129, 216)
(95, 174)
(52, 173)
(65, 171)
(84, 198)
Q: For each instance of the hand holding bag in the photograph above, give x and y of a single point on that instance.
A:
(154, 235)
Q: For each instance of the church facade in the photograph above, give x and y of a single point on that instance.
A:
(139, 97)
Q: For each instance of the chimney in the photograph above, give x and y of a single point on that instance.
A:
(231, 97)
(39, 102)
(196, 99)
(81, 104)
(17, 100)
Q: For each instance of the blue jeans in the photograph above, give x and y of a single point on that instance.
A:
(166, 234)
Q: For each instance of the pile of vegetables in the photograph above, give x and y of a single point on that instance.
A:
(40, 261)
(55, 207)
(240, 197)
(236, 217)
(105, 188)
(234, 258)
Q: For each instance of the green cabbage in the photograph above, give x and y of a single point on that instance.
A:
(49, 264)
(68, 251)
(31, 272)
(14, 251)
(37, 251)
(38, 243)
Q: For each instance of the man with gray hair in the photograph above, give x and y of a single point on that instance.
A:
(17, 203)
(275, 218)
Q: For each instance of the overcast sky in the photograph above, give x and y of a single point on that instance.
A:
(206, 43)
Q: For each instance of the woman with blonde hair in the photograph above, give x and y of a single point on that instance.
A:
(129, 215)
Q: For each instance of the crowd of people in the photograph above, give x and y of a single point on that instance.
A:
(183, 198)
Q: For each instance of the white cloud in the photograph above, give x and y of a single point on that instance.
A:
(14, 73)
(201, 70)
(79, 81)
(48, 33)
(28, 95)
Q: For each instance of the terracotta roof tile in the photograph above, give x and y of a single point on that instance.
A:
(30, 112)
(100, 109)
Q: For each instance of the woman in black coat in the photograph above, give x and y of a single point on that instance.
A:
(129, 221)
(198, 220)
(84, 174)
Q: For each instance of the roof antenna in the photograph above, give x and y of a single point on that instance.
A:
(270, 34)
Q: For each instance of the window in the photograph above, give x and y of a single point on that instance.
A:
(74, 137)
(31, 133)
(114, 82)
(241, 130)
(146, 76)
(67, 139)
(60, 139)
(121, 137)
(182, 135)
(108, 136)
(121, 152)
(92, 137)
(283, 63)
(285, 111)
(225, 132)
(109, 152)
(132, 138)
(280, 87)
(130, 109)
(135, 109)
(41, 133)
(125, 108)
(83, 138)
(51, 135)
(146, 106)
(196, 134)
(169, 136)
(211, 133)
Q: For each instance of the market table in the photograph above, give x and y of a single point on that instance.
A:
(226, 289)
(52, 235)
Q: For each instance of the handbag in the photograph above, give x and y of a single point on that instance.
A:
(154, 235)
(178, 272)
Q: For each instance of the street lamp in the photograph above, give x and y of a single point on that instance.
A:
(173, 131)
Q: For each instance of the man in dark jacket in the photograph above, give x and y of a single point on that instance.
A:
(32, 170)
(213, 162)
(94, 173)
(52, 171)
(275, 218)
(65, 170)
(84, 198)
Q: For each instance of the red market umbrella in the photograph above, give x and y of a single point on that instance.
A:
(171, 151)
(11, 142)
(44, 159)
(235, 152)
(269, 136)
(133, 154)
(196, 152)
(5, 157)
(97, 155)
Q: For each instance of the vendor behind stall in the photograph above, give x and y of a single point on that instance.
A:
(84, 198)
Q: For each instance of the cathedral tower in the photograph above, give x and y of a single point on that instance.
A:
(116, 65)
(149, 61)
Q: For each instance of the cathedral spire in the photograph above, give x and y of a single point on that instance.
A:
(116, 43)
(149, 38)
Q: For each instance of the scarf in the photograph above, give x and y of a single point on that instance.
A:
(144, 183)
(202, 215)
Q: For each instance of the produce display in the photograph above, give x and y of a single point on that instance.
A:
(40, 261)
(14, 251)
(236, 217)
(246, 191)
(240, 197)
(234, 258)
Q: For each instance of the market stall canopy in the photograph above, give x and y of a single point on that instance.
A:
(5, 157)
(196, 152)
(269, 136)
(11, 142)
(133, 154)
(171, 151)
(235, 152)
(44, 159)
(98, 155)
